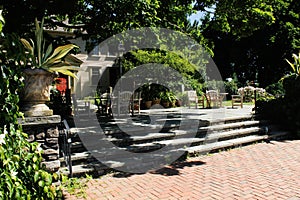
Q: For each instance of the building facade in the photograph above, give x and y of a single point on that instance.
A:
(98, 70)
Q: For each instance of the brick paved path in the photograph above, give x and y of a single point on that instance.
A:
(259, 171)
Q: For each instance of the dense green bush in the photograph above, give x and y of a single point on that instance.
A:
(275, 89)
(21, 174)
(231, 87)
(285, 110)
(190, 72)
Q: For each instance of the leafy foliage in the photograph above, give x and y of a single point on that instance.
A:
(295, 71)
(2, 21)
(99, 20)
(76, 186)
(276, 89)
(188, 70)
(21, 175)
(252, 38)
(285, 110)
(231, 87)
(49, 59)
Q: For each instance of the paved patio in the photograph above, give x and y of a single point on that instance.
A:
(258, 171)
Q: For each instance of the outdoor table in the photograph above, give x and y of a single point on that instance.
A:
(103, 104)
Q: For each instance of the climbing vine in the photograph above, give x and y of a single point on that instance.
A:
(21, 173)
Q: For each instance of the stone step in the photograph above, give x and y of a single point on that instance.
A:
(77, 147)
(78, 170)
(99, 168)
(171, 125)
(77, 158)
(159, 136)
(231, 119)
(233, 125)
(279, 135)
(155, 136)
(182, 141)
(203, 149)
(232, 133)
(151, 146)
(153, 141)
(214, 137)
(224, 144)
(144, 147)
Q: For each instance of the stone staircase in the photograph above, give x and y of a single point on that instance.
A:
(170, 136)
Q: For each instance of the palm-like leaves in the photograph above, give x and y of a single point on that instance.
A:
(2, 21)
(295, 67)
(50, 60)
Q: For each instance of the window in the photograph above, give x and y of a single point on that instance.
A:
(95, 76)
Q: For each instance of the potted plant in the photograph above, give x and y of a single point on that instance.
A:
(146, 96)
(167, 98)
(180, 99)
(43, 65)
(155, 90)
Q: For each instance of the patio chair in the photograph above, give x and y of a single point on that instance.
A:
(104, 104)
(136, 103)
(237, 100)
(124, 102)
(213, 99)
(201, 101)
(193, 98)
(80, 106)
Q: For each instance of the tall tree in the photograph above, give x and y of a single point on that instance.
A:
(253, 38)
(100, 19)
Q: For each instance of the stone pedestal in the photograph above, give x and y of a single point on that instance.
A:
(44, 130)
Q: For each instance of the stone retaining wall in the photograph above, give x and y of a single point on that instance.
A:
(44, 130)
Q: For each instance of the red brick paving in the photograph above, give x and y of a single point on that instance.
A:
(259, 171)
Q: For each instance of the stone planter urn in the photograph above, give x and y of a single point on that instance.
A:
(36, 93)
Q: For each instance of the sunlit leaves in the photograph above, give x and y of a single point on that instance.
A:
(2, 21)
(20, 164)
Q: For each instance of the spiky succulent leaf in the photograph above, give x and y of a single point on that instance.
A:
(48, 52)
(59, 53)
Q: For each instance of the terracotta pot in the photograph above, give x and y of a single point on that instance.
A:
(166, 104)
(173, 104)
(178, 103)
(155, 101)
(36, 92)
(148, 104)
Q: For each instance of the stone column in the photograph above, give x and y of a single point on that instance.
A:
(44, 130)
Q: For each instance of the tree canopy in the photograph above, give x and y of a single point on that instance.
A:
(250, 37)
(253, 38)
(100, 19)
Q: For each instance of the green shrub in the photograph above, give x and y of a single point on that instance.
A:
(21, 174)
(275, 89)
(285, 110)
(231, 87)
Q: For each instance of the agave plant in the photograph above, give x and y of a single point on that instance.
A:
(295, 67)
(57, 60)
